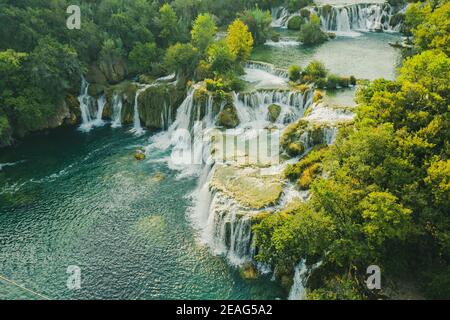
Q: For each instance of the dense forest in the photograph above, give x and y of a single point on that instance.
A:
(379, 196)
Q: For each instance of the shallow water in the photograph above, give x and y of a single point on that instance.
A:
(82, 199)
(365, 56)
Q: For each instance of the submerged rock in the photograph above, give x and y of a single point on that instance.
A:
(139, 155)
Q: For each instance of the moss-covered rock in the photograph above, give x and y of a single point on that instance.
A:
(158, 104)
(228, 117)
(248, 271)
(247, 186)
(274, 112)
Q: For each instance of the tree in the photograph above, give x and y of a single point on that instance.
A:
(203, 32)
(311, 34)
(239, 40)
(167, 24)
(433, 33)
(143, 57)
(220, 58)
(181, 58)
(258, 22)
(316, 70)
(294, 72)
(54, 66)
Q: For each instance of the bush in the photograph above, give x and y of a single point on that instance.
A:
(203, 70)
(305, 13)
(295, 23)
(332, 81)
(316, 70)
(294, 72)
(275, 37)
(311, 34)
(344, 82)
(353, 80)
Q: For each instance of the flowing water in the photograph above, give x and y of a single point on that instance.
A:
(81, 199)
(153, 229)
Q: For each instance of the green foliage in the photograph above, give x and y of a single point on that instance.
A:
(239, 40)
(258, 22)
(294, 72)
(433, 30)
(167, 24)
(295, 23)
(316, 70)
(181, 58)
(143, 57)
(54, 65)
(203, 32)
(296, 5)
(220, 58)
(311, 34)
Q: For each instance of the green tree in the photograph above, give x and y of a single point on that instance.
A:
(181, 58)
(203, 32)
(239, 40)
(167, 23)
(258, 22)
(220, 59)
(143, 57)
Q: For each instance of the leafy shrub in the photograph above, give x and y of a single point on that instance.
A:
(311, 34)
(332, 81)
(316, 70)
(294, 72)
(295, 23)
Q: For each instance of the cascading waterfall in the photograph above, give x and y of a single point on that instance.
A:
(88, 107)
(280, 16)
(270, 68)
(357, 17)
(85, 106)
(137, 128)
(100, 107)
(301, 275)
(229, 233)
(347, 18)
(117, 111)
(298, 288)
(189, 152)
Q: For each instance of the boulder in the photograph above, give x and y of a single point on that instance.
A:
(274, 112)
(228, 117)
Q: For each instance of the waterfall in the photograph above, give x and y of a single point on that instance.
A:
(220, 221)
(357, 17)
(88, 107)
(137, 128)
(301, 276)
(100, 107)
(347, 18)
(85, 106)
(229, 232)
(117, 111)
(280, 16)
(270, 68)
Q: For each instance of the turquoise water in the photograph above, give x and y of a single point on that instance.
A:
(82, 199)
(70, 198)
(367, 56)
